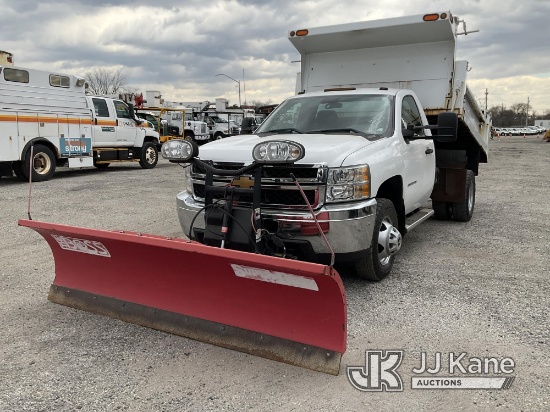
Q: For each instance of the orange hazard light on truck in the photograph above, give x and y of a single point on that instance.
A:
(302, 32)
(435, 16)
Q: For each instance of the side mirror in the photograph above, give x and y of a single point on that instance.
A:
(132, 113)
(408, 133)
(447, 127)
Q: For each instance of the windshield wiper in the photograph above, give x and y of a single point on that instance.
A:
(285, 130)
(345, 129)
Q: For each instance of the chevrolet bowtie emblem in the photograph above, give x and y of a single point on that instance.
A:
(244, 182)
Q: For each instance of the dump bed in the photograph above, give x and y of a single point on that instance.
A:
(413, 52)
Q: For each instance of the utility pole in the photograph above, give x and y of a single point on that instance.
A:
(486, 94)
(237, 81)
(244, 87)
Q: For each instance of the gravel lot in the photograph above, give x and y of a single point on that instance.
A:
(480, 287)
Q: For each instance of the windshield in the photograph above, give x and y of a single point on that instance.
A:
(365, 114)
(217, 119)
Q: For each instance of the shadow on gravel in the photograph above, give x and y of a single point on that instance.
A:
(65, 173)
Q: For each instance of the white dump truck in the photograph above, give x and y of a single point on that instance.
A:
(48, 115)
(340, 172)
(374, 116)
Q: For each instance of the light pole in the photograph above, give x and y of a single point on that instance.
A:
(238, 82)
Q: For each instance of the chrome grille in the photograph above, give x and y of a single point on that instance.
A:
(278, 188)
(305, 173)
(270, 197)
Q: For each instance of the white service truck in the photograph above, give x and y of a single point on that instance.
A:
(382, 124)
(47, 120)
(220, 128)
(193, 129)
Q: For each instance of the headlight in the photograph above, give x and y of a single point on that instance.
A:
(179, 151)
(348, 183)
(278, 151)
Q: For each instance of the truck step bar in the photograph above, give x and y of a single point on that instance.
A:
(418, 217)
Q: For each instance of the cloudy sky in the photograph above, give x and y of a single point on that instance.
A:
(177, 47)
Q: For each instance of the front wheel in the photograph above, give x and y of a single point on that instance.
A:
(218, 136)
(149, 156)
(386, 241)
(43, 164)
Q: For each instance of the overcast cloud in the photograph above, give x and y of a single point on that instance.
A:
(177, 47)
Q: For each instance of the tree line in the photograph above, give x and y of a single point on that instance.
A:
(519, 114)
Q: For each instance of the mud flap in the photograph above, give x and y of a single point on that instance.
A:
(285, 310)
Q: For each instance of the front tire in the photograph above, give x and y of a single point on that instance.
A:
(386, 241)
(149, 156)
(43, 164)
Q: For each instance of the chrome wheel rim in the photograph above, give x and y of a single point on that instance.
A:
(471, 198)
(41, 163)
(150, 155)
(389, 241)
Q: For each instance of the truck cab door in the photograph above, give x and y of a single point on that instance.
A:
(103, 124)
(419, 158)
(127, 130)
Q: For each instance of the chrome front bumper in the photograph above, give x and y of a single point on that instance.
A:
(350, 224)
(202, 136)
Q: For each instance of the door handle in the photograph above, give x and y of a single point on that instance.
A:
(429, 151)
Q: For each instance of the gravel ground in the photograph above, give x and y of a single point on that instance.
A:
(480, 287)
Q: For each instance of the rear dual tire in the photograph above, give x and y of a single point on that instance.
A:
(43, 164)
(459, 211)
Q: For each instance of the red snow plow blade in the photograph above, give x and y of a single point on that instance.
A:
(285, 310)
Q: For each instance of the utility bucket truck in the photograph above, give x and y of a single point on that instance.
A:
(339, 173)
(47, 120)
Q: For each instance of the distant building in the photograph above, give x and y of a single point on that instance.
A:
(543, 123)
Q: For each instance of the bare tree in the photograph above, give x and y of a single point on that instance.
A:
(104, 81)
(259, 103)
